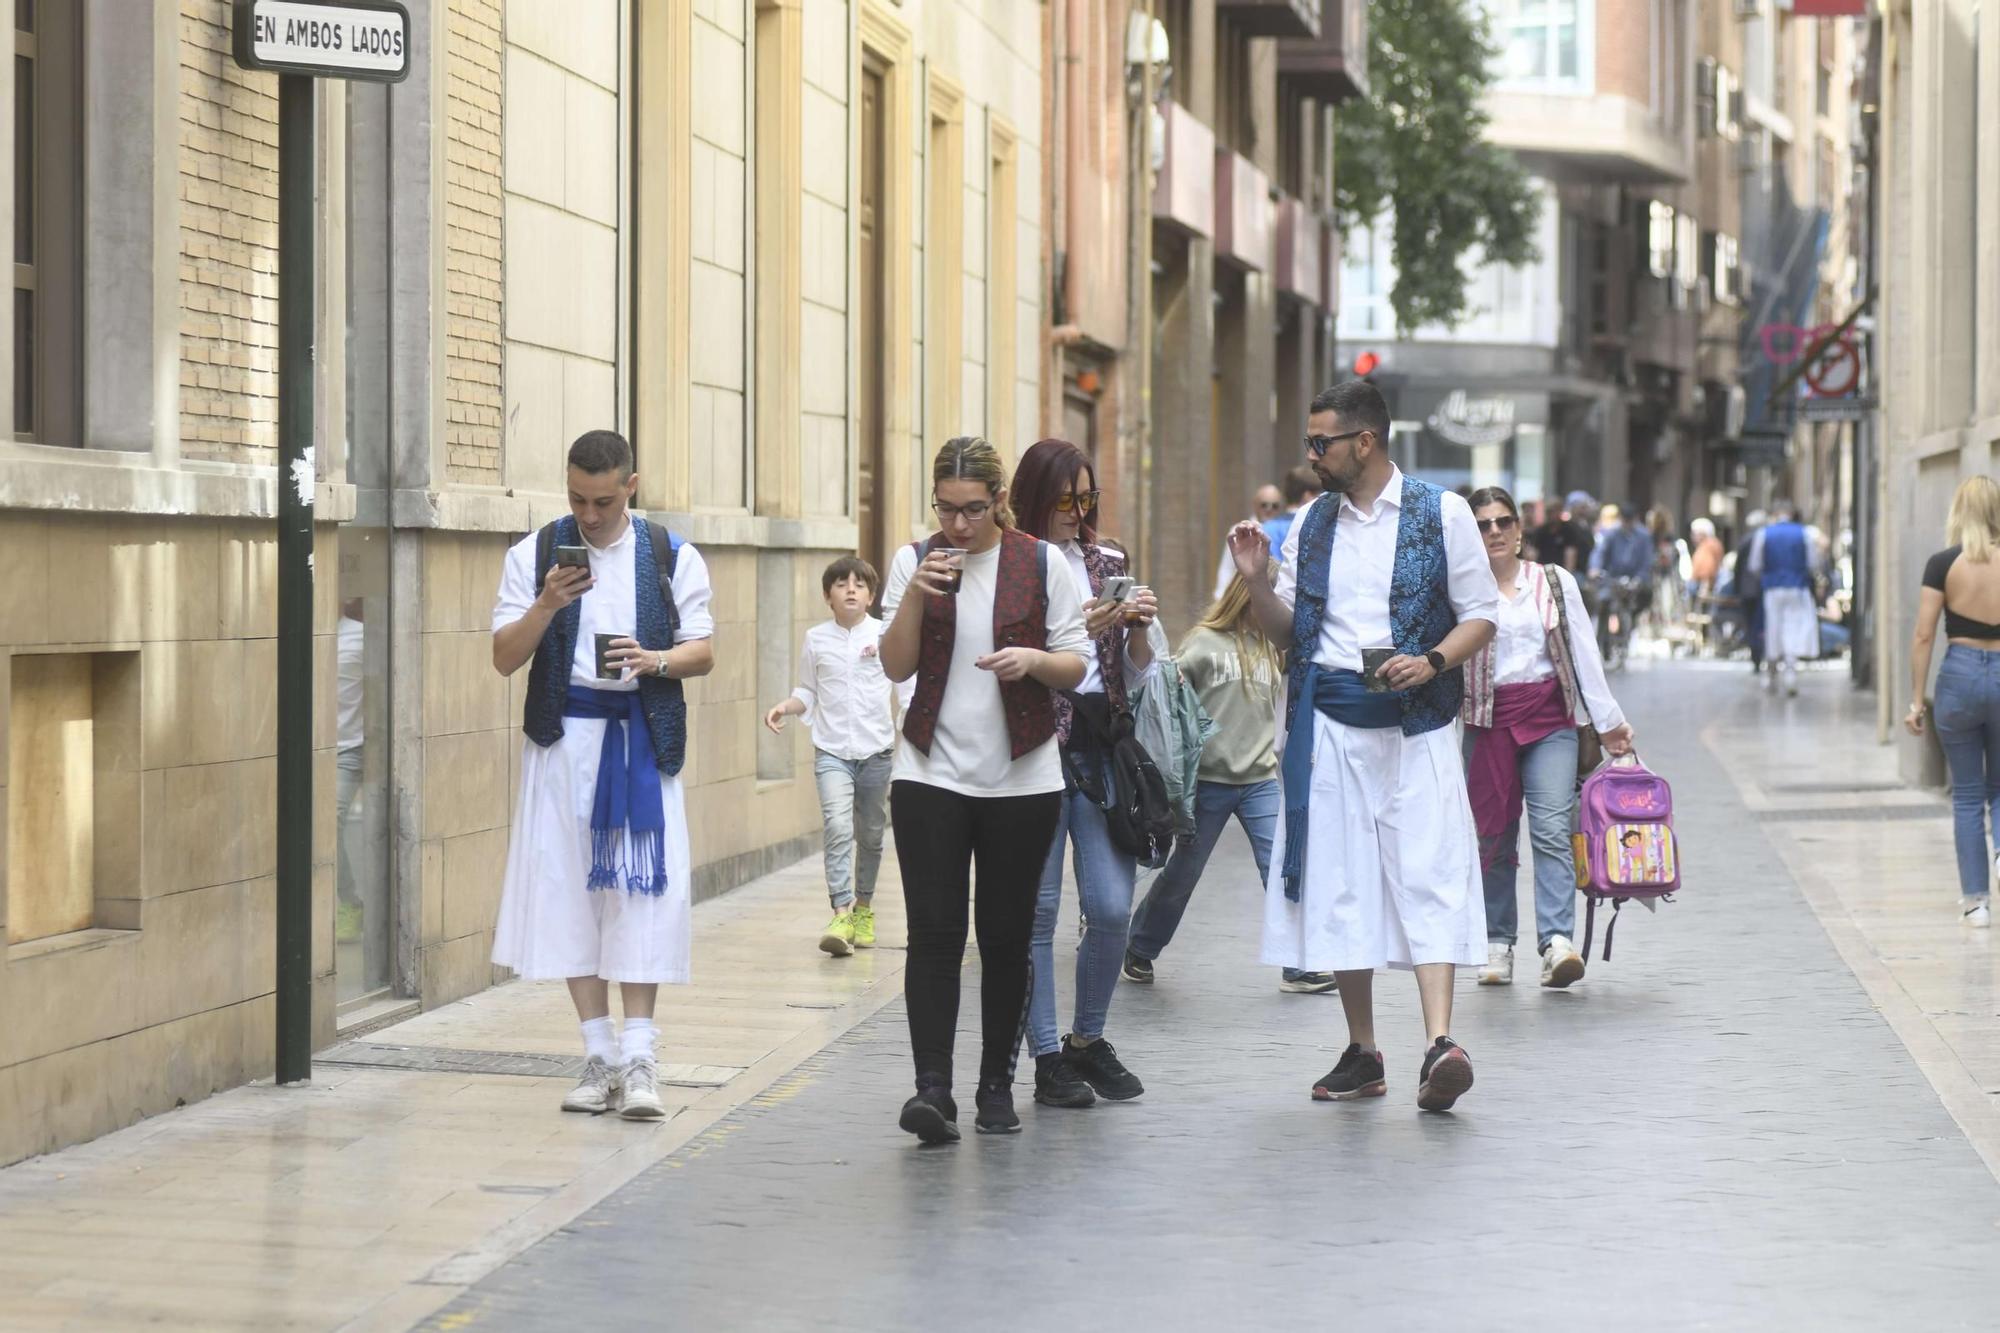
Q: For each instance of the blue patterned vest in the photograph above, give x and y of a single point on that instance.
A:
(1420, 614)
(657, 619)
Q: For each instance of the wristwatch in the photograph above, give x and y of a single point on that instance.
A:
(1436, 659)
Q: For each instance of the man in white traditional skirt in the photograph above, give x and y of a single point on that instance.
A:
(1383, 591)
(613, 612)
(1787, 560)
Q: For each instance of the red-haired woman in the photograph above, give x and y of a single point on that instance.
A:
(1055, 497)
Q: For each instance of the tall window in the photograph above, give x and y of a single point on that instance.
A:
(48, 196)
(1543, 42)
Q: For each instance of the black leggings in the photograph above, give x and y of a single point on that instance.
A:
(940, 835)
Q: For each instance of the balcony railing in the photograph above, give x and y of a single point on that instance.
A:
(1332, 66)
(1272, 18)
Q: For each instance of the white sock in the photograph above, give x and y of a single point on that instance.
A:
(600, 1039)
(638, 1039)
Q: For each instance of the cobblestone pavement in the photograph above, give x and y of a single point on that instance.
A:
(1715, 1130)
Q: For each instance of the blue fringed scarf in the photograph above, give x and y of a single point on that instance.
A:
(628, 816)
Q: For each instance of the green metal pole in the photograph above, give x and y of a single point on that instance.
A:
(296, 267)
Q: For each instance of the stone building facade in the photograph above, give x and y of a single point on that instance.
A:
(784, 245)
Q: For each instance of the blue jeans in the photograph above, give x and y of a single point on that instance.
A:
(1256, 807)
(1968, 725)
(1548, 782)
(853, 807)
(1104, 877)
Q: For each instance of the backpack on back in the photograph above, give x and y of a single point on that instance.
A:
(1624, 843)
(1169, 721)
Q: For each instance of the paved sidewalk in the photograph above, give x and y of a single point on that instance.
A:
(1716, 1130)
(369, 1197)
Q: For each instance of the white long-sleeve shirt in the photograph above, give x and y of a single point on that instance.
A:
(1521, 646)
(1364, 562)
(845, 691)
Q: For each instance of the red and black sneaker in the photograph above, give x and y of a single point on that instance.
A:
(1446, 1075)
(1359, 1074)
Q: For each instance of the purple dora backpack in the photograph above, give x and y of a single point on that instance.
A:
(1624, 842)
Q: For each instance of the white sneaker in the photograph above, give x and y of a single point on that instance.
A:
(597, 1092)
(1499, 969)
(1972, 911)
(641, 1078)
(1562, 965)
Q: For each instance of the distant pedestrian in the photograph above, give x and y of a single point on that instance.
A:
(1705, 560)
(1055, 498)
(1566, 539)
(1235, 668)
(1385, 584)
(1746, 592)
(1302, 487)
(1962, 585)
(614, 615)
(1267, 503)
(1526, 693)
(848, 702)
(988, 624)
(1787, 558)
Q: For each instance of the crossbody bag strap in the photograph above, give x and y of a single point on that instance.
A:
(1569, 639)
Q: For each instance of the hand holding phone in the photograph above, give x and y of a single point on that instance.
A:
(568, 578)
(1117, 589)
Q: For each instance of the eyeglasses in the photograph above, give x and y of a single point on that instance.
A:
(946, 513)
(1269, 506)
(1317, 445)
(1077, 500)
(1504, 523)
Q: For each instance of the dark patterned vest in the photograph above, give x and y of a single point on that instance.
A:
(1100, 564)
(654, 556)
(1420, 612)
(1020, 620)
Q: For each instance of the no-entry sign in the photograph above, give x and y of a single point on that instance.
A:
(357, 39)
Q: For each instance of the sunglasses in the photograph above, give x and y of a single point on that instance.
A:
(1504, 523)
(1077, 500)
(1317, 445)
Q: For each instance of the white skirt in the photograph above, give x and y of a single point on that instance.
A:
(1392, 861)
(551, 926)
(1791, 624)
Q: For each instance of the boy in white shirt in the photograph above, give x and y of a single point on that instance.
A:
(844, 696)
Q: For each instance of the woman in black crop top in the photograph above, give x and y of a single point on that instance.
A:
(1962, 586)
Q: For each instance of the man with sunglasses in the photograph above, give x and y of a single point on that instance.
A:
(1383, 592)
(1266, 504)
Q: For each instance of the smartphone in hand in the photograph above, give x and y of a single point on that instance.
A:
(573, 557)
(1118, 589)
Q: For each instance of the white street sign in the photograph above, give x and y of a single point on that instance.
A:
(365, 40)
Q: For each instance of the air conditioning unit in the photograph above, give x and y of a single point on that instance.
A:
(1749, 9)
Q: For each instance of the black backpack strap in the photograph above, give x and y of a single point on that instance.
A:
(1612, 926)
(1589, 922)
(666, 556)
(545, 552)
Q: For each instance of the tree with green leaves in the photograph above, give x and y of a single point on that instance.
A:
(1413, 154)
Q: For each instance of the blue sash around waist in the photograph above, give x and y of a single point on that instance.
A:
(1342, 696)
(628, 815)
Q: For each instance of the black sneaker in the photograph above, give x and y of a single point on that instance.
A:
(1359, 1074)
(931, 1115)
(1138, 969)
(1102, 1069)
(1058, 1084)
(1446, 1075)
(996, 1109)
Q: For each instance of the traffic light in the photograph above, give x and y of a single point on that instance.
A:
(1366, 364)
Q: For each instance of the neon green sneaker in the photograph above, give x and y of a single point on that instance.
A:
(838, 937)
(864, 926)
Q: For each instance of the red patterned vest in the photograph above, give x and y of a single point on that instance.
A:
(1100, 565)
(1020, 620)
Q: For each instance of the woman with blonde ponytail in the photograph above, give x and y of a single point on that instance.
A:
(1962, 585)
